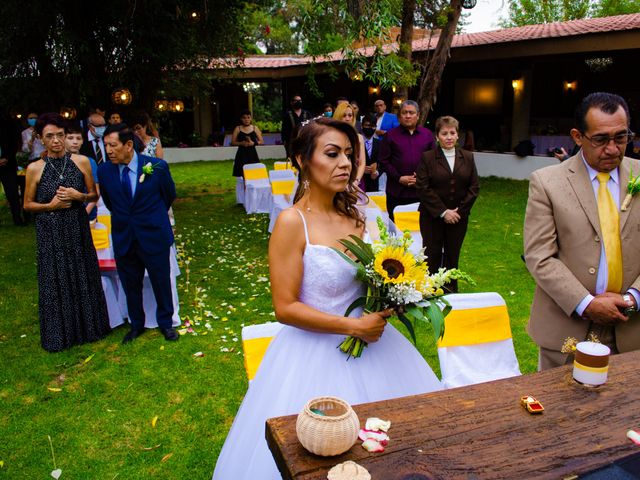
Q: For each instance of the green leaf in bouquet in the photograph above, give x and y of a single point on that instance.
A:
(416, 312)
(358, 302)
(346, 257)
(360, 255)
(361, 273)
(435, 316)
(407, 323)
(359, 248)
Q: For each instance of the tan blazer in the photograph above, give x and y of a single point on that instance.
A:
(562, 251)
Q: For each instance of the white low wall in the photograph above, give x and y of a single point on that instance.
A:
(179, 155)
(489, 164)
(506, 165)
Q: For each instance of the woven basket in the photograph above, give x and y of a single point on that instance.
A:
(331, 433)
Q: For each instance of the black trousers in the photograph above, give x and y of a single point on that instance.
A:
(442, 243)
(9, 181)
(393, 202)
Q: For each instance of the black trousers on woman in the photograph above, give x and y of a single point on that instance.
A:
(9, 181)
(442, 243)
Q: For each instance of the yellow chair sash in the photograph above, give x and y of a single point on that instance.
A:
(282, 187)
(254, 350)
(474, 326)
(255, 173)
(281, 165)
(106, 221)
(100, 238)
(407, 221)
(380, 201)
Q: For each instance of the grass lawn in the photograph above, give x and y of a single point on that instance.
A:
(97, 402)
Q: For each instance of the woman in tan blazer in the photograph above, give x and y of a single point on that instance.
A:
(447, 184)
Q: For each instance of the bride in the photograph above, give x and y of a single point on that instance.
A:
(311, 288)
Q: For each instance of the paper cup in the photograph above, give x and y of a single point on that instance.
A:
(591, 363)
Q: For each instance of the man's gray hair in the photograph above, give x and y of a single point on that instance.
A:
(410, 103)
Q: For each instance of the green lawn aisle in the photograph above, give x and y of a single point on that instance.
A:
(97, 402)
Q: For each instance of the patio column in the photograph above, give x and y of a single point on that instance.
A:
(522, 89)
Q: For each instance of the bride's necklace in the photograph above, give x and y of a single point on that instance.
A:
(64, 166)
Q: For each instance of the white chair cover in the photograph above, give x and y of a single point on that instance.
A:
(477, 345)
(114, 293)
(407, 217)
(257, 192)
(255, 341)
(240, 190)
(280, 201)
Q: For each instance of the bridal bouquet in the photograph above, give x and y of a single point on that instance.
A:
(398, 279)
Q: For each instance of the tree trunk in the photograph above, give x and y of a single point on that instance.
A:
(406, 37)
(432, 74)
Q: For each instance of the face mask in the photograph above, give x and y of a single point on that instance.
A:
(328, 114)
(368, 132)
(32, 122)
(99, 131)
(297, 104)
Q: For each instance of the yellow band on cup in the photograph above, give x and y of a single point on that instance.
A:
(580, 366)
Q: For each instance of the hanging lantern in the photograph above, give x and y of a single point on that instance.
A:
(121, 96)
(469, 4)
(176, 106)
(162, 105)
(68, 113)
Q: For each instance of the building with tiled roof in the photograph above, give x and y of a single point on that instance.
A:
(506, 84)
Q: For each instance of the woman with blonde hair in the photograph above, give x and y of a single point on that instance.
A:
(344, 113)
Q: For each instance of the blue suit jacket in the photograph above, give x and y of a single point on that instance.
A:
(389, 121)
(145, 218)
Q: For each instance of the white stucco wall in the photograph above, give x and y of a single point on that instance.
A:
(489, 164)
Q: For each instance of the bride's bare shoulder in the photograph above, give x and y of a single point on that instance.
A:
(290, 222)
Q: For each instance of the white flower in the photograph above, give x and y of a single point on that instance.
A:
(141, 178)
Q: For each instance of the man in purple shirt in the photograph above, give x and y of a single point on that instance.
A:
(400, 153)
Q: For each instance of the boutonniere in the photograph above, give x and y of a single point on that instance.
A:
(147, 169)
(633, 187)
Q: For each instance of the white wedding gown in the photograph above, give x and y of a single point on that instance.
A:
(300, 365)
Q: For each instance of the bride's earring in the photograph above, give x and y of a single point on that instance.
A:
(305, 184)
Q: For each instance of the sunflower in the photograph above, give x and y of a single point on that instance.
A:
(395, 265)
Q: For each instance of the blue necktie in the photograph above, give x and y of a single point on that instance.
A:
(126, 184)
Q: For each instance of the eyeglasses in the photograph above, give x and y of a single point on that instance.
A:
(599, 141)
(51, 136)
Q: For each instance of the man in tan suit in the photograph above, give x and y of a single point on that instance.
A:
(566, 230)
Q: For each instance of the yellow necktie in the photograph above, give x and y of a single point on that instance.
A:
(610, 226)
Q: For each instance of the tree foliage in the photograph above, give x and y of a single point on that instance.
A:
(534, 12)
(71, 52)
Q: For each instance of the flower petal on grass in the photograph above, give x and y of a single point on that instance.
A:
(152, 448)
(88, 359)
(166, 457)
(54, 389)
(56, 473)
(154, 421)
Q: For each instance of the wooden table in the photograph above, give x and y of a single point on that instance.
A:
(481, 431)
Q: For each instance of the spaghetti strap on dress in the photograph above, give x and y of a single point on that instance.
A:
(300, 365)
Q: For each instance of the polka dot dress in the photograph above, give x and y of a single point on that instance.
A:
(72, 305)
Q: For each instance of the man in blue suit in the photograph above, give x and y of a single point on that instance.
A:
(138, 200)
(385, 121)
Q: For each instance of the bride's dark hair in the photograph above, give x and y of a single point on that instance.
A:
(302, 149)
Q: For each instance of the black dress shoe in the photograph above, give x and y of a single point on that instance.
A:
(170, 334)
(132, 335)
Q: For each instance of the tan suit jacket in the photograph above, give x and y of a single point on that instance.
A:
(562, 251)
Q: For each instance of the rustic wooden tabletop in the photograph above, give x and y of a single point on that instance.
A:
(483, 432)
